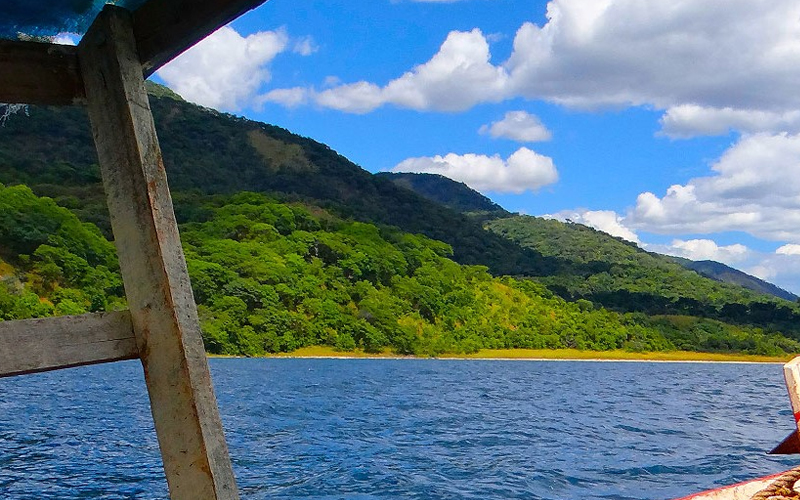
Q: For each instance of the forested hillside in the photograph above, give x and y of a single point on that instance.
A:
(455, 195)
(51, 150)
(619, 275)
(272, 277)
(564, 285)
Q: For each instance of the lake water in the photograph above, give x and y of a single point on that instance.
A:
(420, 429)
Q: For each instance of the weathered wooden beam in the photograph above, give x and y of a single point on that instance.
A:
(152, 263)
(39, 73)
(166, 28)
(38, 345)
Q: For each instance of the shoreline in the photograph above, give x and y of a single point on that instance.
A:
(321, 352)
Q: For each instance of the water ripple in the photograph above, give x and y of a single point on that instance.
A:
(416, 429)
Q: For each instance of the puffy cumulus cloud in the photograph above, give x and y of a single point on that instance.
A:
(755, 188)
(518, 126)
(289, 98)
(607, 221)
(226, 70)
(361, 97)
(523, 171)
(704, 249)
(689, 120)
(716, 53)
(788, 249)
(459, 76)
(712, 65)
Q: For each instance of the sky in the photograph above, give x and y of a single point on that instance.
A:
(671, 123)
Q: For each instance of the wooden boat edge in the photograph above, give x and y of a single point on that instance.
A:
(740, 491)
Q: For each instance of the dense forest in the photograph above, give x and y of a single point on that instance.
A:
(205, 151)
(289, 244)
(271, 277)
(619, 275)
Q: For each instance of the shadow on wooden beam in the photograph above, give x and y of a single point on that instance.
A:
(40, 73)
(166, 28)
(37, 345)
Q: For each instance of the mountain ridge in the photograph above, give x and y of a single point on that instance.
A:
(212, 154)
(432, 187)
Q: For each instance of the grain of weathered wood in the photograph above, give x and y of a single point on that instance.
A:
(37, 345)
(153, 267)
(166, 28)
(39, 73)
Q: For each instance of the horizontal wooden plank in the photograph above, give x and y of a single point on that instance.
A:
(37, 345)
(39, 73)
(166, 28)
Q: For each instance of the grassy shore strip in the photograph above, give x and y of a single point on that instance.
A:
(546, 354)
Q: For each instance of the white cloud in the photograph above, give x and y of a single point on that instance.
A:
(716, 53)
(66, 39)
(305, 46)
(518, 126)
(226, 70)
(607, 221)
(459, 76)
(689, 120)
(712, 65)
(755, 188)
(289, 98)
(523, 171)
(705, 249)
(789, 249)
(780, 269)
(361, 97)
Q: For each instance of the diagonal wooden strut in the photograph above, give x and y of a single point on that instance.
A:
(163, 311)
(37, 345)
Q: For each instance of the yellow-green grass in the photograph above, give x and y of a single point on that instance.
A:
(329, 352)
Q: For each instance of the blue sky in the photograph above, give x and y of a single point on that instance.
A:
(673, 124)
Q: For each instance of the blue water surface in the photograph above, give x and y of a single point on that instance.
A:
(418, 429)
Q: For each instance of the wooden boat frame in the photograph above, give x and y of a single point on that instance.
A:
(106, 73)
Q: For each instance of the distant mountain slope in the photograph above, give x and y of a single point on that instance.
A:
(211, 153)
(727, 274)
(214, 153)
(461, 197)
(617, 274)
(272, 277)
(450, 193)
